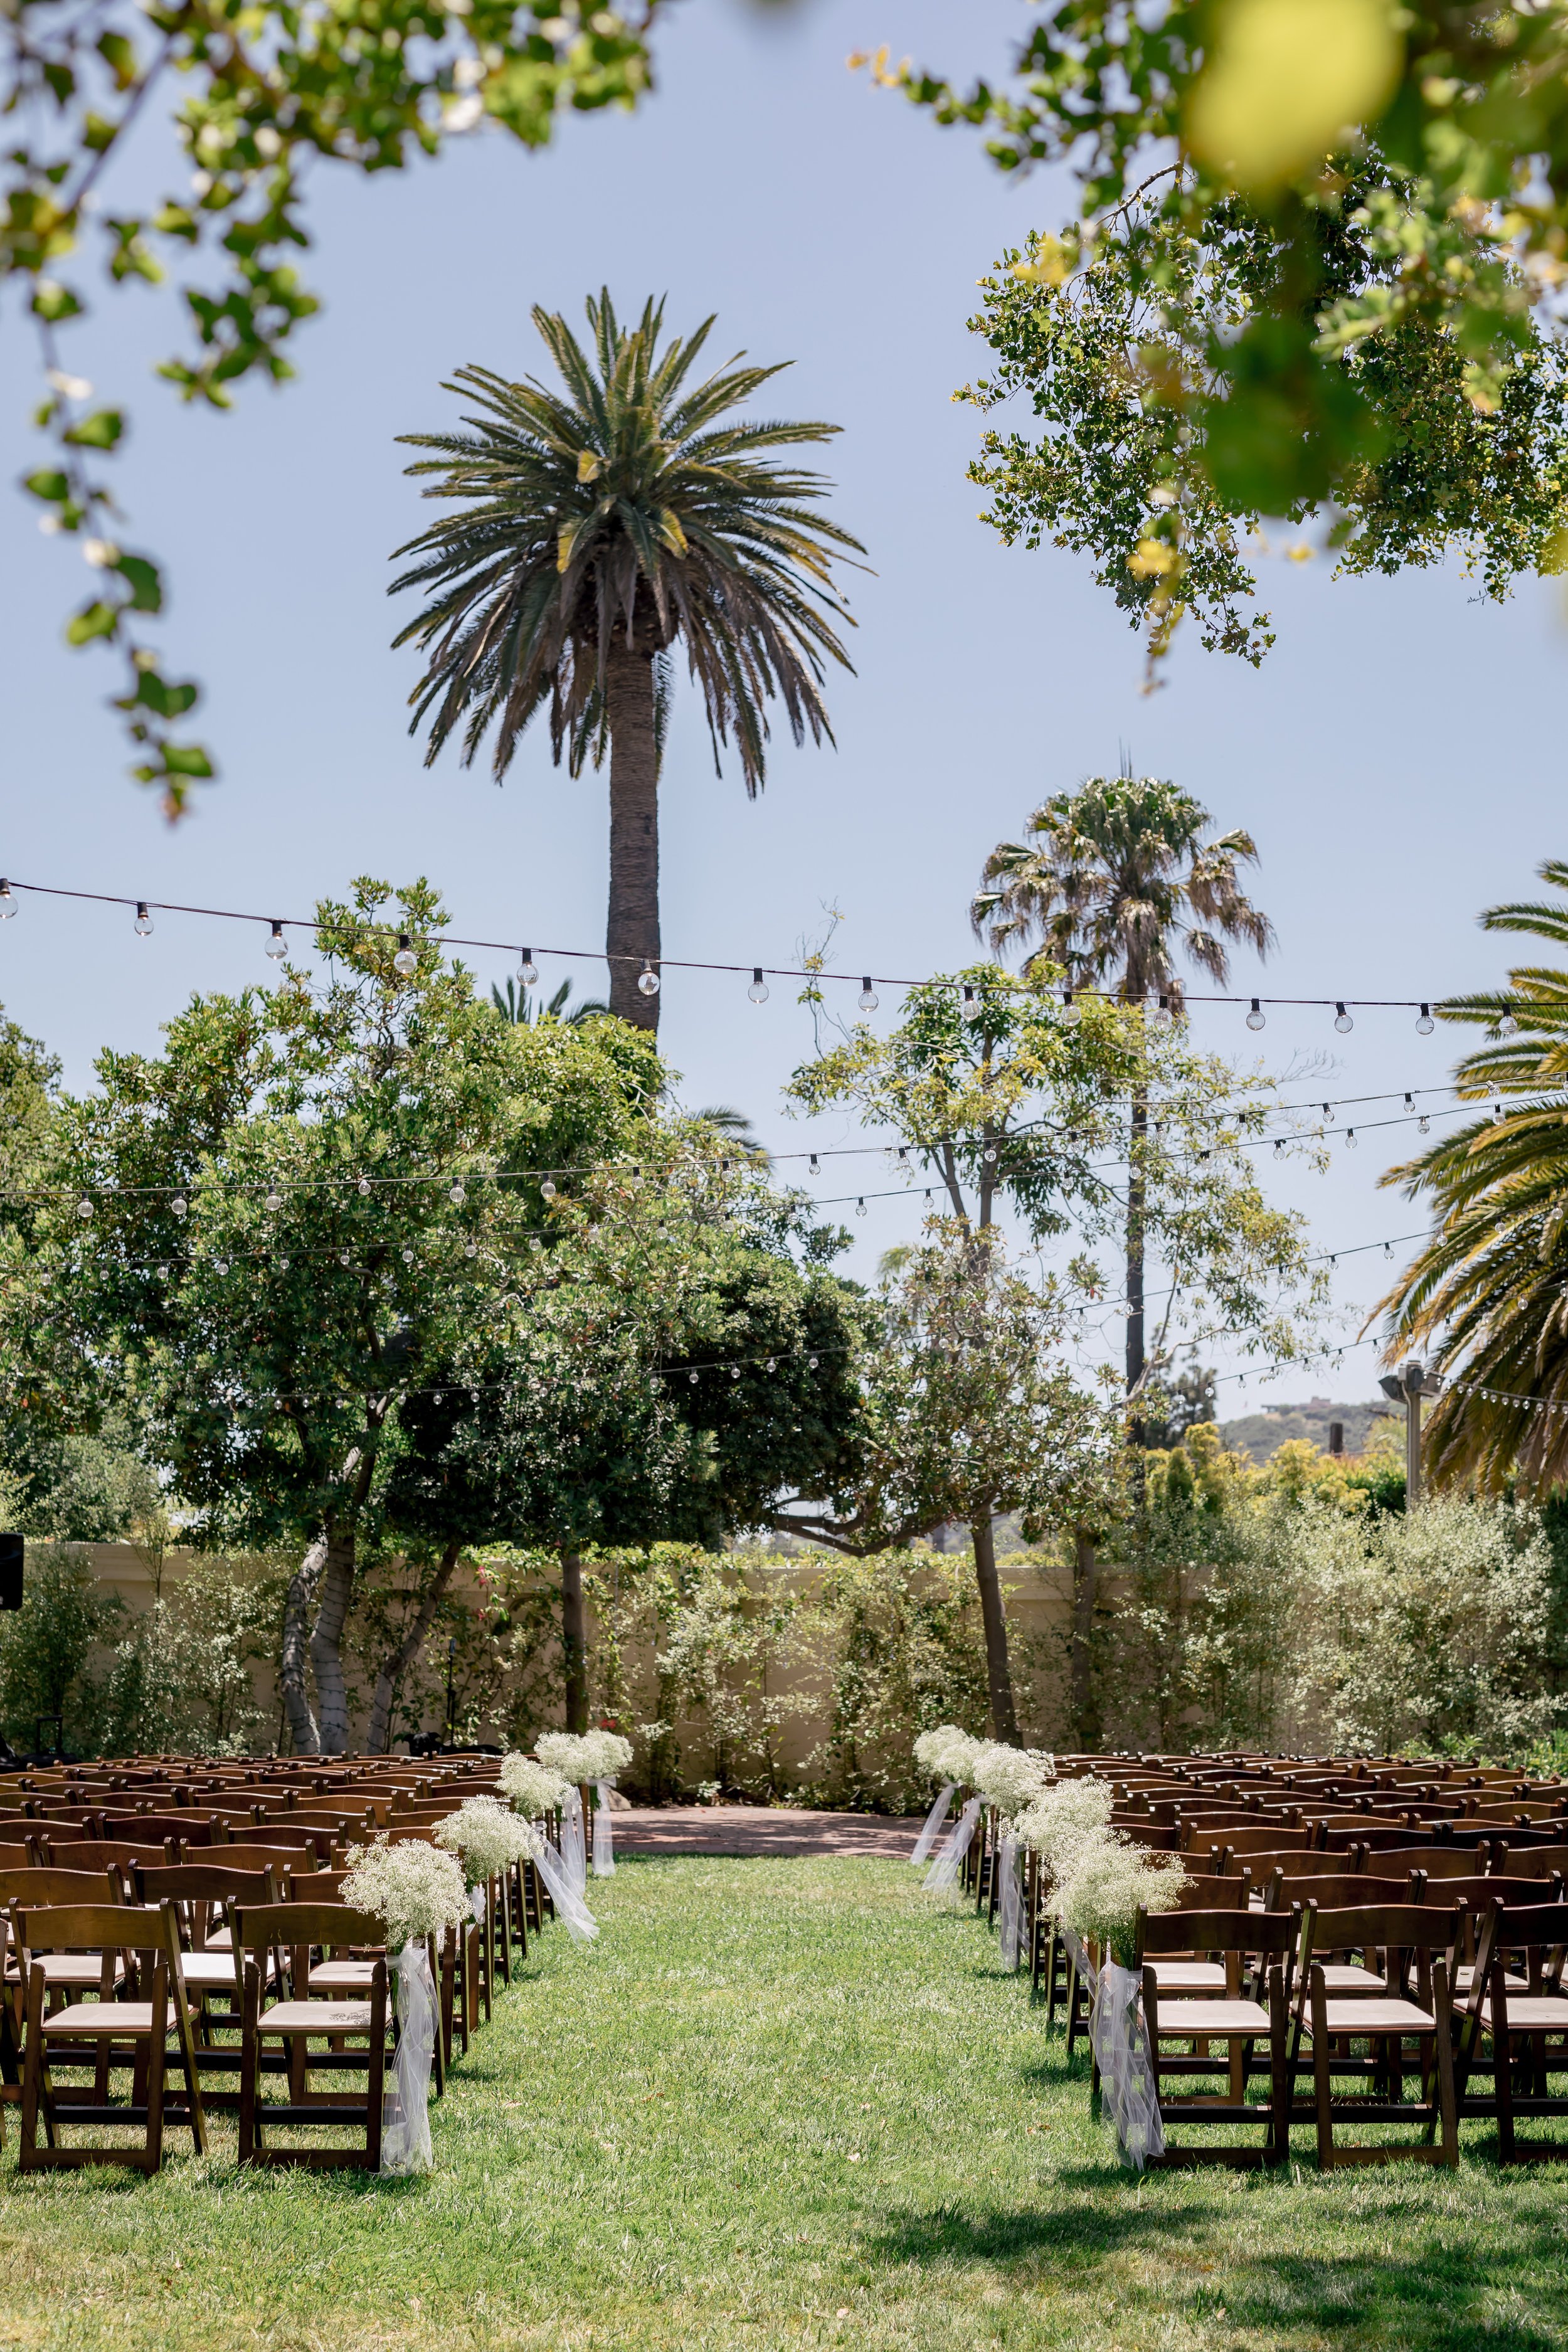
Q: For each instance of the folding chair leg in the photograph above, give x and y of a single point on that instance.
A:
(157, 2066)
(376, 2090)
(249, 2121)
(1321, 2077)
(1278, 2069)
(1448, 2104)
(36, 2088)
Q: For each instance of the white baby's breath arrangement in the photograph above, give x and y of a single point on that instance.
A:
(532, 1788)
(1009, 1777)
(1111, 1880)
(1061, 1818)
(584, 1755)
(416, 1890)
(488, 1837)
(947, 1754)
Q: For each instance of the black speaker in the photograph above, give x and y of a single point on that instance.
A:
(10, 1571)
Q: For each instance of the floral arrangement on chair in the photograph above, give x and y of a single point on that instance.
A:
(488, 1837)
(946, 1753)
(416, 1890)
(584, 1755)
(534, 1788)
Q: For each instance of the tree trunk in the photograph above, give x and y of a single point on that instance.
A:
(394, 1666)
(1136, 1196)
(1081, 1682)
(998, 1673)
(297, 1611)
(575, 1640)
(327, 1639)
(631, 936)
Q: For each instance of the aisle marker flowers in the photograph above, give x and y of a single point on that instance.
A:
(415, 1891)
(596, 1756)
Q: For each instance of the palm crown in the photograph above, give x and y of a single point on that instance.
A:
(1489, 1293)
(593, 527)
(1111, 876)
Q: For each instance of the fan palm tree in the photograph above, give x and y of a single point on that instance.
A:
(595, 527)
(1108, 885)
(523, 1011)
(1488, 1295)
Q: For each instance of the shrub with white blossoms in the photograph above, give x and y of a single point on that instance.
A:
(947, 1753)
(488, 1837)
(416, 1890)
(1009, 1777)
(534, 1788)
(584, 1755)
(1111, 1880)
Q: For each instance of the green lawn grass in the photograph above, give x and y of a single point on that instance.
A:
(779, 2103)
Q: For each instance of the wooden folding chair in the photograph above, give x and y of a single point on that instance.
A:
(1515, 2001)
(143, 2026)
(295, 2022)
(1393, 1938)
(1255, 1952)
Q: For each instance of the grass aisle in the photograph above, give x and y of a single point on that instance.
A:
(779, 2103)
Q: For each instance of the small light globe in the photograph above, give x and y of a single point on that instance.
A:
(1070, 1014)
(1343, 1020)
(527, 970)
(648, 981)
(363, 1188)
(144, 924)
(456, 1195)
(758, 991)
(1349, 1139)
(1425, 1025)
(274, 1200)
(1424, 1125)
(1508, 1026)
(220, 1265)
(178, 1204)
(867, 1000)
(860, 1208)
(1256, 1018)
(408, 1257)
(7, 904)
(84, 1207)
(971, 1007)
(404, 962)
(547, 1190)
(276, 946)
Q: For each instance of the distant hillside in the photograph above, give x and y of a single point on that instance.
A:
(1259, 1433)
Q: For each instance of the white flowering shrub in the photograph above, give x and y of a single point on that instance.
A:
(1009, 1777)
(947, 1753)
(416, 1890)
(487, 1837)
(534, 1788)
(584, 1755)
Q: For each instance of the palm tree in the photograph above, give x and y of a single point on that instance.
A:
(1109, 882)
(1488, 1292)
(594, 528)
(515, 1004)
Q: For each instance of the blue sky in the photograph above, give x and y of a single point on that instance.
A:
(1397, 757)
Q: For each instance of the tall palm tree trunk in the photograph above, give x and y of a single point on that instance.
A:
(631, 936)
(1137, 1359)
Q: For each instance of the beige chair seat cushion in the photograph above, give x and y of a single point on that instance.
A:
(104, 2020)
(342, 1975)
(1532, 2013)
(209, 1972)
(1184, 2017)
(1374, 2016)
(316, 2017)
(1342, 1976)
(71, 1971)
(1188, 1976)
(1465, 1978)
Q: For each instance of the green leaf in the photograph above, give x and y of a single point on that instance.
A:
(188, 760)
(49, 483)
(120, 55)
(99, 431)
(144, 581)
(94, 620)
(53, 302)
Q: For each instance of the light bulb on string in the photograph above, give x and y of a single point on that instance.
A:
(276, 946)
(343, 1257)
(408, 1257)
(144, 923)
(972, 1006)
(758, 991)
(527, 970)
(734, 1371)
(814, 1169)
(1388, 1249)
(1256, 1018)
(1424, 1024)
(162, 1273)
(7, 904)
(1410, 1102)
(274, 1200)
(84, 1207)
(547, 1190)
(692, 1378)
(1343, 1020)
(989, 1155)
(1497, 1114)
(1162, 1009)
(1070, 1009)
(648, 979)
(773, 1363)
(860, 1207)
(811, 1363)
(405, 961)
(867, 1000)
(220, 1265)
(1508, 1026)
(363, 1188)
(284, 1264)
(1349, 1139)
(1424, 1125)
(1280, 1147)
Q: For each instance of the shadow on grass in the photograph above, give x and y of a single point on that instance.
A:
(1443, 2294)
